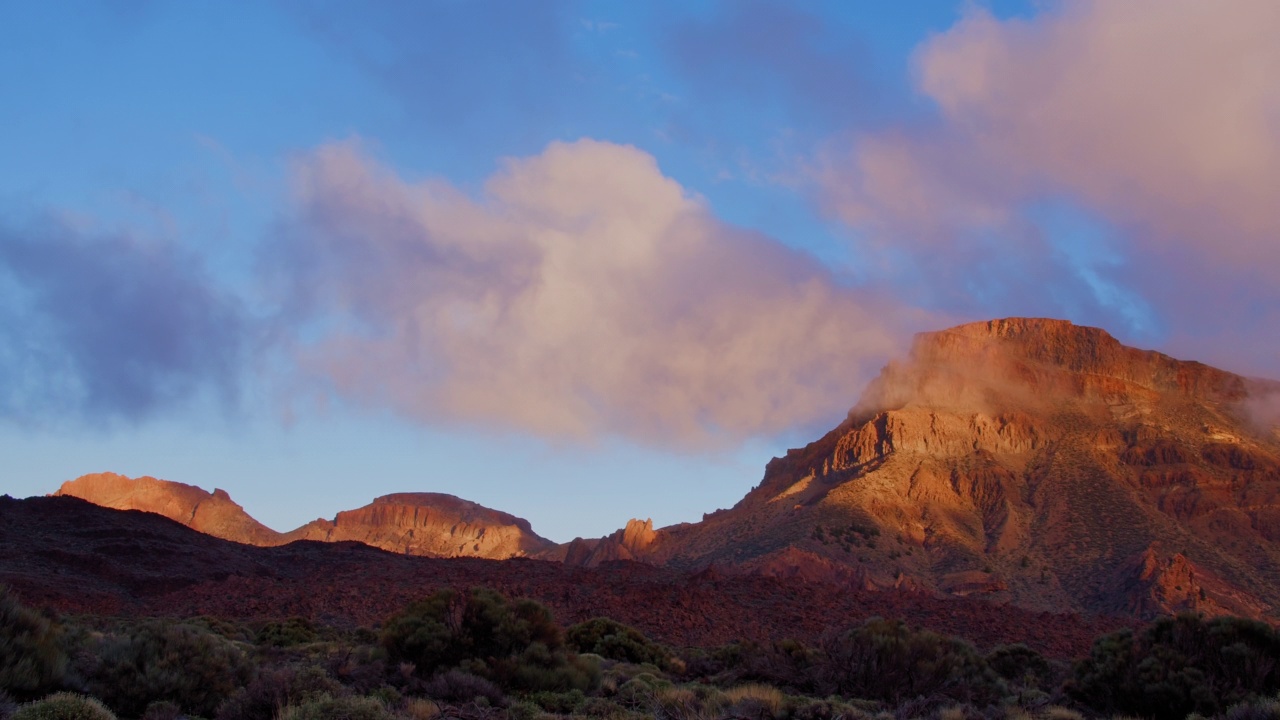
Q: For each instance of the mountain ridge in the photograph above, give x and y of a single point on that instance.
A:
(1025, 460)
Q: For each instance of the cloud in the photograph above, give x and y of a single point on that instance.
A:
(1159, 117)
(583, 293)
(109, 327)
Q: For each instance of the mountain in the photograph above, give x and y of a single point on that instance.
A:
(211, 513)
(75, 557)
(1032, 463)
(430, 524)
(1028, 461)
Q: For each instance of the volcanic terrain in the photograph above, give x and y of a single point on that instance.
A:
(1029, 462)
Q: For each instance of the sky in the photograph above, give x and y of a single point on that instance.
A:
(588, 261)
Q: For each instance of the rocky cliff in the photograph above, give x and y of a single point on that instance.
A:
(1030, 461)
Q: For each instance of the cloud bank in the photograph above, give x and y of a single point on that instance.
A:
(582, 293)
(109, 327)
(1159, 117)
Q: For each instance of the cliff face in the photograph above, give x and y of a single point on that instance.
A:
(210, 513)
(430, 524)
(1032, 461)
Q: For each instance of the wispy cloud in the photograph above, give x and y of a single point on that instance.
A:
(583, 294)
(107, 327)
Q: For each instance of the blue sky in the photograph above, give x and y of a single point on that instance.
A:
(583, 261)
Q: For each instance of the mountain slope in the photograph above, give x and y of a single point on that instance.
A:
(1031, 461)
(76, 557)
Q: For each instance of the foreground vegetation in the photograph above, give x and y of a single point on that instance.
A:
(477, 654)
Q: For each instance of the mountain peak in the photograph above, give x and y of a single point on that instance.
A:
(1032, 460)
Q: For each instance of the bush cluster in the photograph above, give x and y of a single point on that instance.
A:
(477, 654)
(611, 639)
(1182, 665)
(516, 644)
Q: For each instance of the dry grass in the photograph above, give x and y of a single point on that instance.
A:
(1057, 712)
(421, 709)
(755, 700)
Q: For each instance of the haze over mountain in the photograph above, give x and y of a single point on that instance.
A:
(1030, 461)
(1034, 461)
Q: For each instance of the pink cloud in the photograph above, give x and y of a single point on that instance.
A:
(1161, 116)
(582, 293)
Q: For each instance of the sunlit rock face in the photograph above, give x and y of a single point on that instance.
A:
(1031, 461)
(211, 513)
(431, 524)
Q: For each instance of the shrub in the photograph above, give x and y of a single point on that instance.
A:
(294, 631)
(1254, 710)
(164, 660)
(1017, 662)
(516, 644)
(832, 708)
(886, 660)
(64, 706)
(1177, 666)
(32, 660)
(613, 640)
(274, 689)
(639, 691)
(457, 686)
(7, 706)
(339, 708)
(556, 702)
(162, 710)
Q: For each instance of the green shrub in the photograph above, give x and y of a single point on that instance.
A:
(561, 703)
(1021, 664)
(886, 660)
(639, 691)
(613, 640)
(32, 659)
(514, 643)
(294, 631)
(1177, 666)
(64, 706)
(165, 660)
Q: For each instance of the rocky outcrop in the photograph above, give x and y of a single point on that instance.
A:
(430, 524)
(629, 543)
(211, 513)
